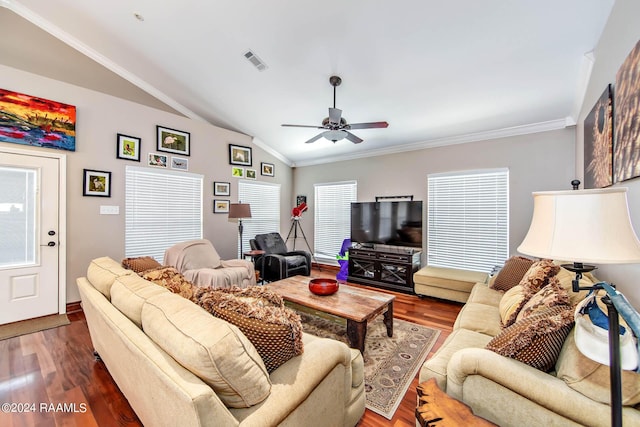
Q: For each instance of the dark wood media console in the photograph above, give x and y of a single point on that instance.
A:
(384, 266)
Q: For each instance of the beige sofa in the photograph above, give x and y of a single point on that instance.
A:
(510, 393)
(141, 330)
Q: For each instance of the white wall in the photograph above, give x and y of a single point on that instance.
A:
(620, 35)
(99, 118)
(536, 162)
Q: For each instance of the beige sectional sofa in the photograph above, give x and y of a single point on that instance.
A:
(511, 393)
(179, 366)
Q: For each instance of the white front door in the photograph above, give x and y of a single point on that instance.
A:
(29, 242)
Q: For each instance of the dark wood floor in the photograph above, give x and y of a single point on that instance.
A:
(52, 378)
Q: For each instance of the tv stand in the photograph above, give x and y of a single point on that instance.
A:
(384, 266)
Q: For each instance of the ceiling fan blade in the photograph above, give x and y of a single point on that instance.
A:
(303, 126)
(351, 137)
(315, 138)
(368, 125)
(334, 115)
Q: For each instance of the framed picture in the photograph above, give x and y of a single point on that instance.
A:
(239, 155)
(221, 188)
(128, 147)
(300, 199)
(220, 206)
(251, 173)
(267, 169)
(180, 163)
(626, 116)
(96, 183)
(158, 160)
(237, 172)
(173, 141)
(598, 143)
(38, 122)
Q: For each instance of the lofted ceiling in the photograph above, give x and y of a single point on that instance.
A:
(438, 72)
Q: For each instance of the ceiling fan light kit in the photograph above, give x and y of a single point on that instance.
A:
(335, 126)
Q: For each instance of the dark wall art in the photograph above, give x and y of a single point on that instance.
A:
(598, 143)
(626, 159)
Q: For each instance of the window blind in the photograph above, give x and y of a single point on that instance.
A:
(332, 218)
(264, 199)
(468, 219)
(162, 208)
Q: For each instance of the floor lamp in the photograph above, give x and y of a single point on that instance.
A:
(239, 211)
(587, 226)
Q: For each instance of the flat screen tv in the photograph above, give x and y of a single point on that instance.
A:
(387, 223)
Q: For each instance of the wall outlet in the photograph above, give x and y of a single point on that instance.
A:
(109, 210)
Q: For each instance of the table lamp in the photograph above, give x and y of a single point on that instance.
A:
(587, 226)
(239, 211)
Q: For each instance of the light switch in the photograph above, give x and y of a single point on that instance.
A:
(109, 210)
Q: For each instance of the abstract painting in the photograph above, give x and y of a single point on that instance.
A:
(29, 120)
(598, 143)
(626, 159)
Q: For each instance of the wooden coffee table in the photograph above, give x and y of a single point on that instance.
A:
(356, 305)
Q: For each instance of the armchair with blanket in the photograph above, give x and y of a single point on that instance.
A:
(279, 262)
(198, 262)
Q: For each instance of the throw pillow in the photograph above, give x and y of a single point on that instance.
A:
(511, 273)
(510, 304)
(551, 295)
(171, 279)
(538, 275)
(535, 340)
(140, 264)
(274, 330)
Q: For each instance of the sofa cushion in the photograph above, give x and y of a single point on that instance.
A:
(591, 378)
(129, 293)
(551, 295)
(140, 264)
(535, 340)
(479, 318)
(510, 305)
(481, 294)
(511, 273)
(102, 272)
(449, 278)
(171, 279)
(211, 348)
(274, 330)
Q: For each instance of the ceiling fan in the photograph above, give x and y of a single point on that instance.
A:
(336, 127)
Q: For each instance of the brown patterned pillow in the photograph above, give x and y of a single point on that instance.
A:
(537, 339)
(538, 275)
(550, 296)
(140, 264)
(511, 273)
(170, 278)
(274, 330)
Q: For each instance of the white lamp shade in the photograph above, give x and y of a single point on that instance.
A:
(590, 226)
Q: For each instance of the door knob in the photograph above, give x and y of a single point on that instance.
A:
(51, 244)
(51, 233)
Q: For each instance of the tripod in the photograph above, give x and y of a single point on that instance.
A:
(294, 228)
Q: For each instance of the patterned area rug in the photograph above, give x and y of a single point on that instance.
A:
(390, 364)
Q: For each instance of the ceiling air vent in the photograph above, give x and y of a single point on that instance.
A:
(257, 62)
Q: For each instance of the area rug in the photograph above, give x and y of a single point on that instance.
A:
(32, 325)
(390, 364)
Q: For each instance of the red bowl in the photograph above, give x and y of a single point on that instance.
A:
(323, 286)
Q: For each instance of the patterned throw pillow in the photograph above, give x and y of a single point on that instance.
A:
(140, 264)
(274, 330)
(551, 295)
(535, 340)
(511, 273)
(538, 275)
(170, 278)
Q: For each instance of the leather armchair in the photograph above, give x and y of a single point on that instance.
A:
(278, 262)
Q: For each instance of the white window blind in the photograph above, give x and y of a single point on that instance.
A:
(468, 219)
(265, 210)
(162, 208)
(332, 217)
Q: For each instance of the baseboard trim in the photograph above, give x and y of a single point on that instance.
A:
(74, 307)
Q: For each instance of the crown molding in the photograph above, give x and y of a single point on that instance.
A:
(271, 151)
(441, 142)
